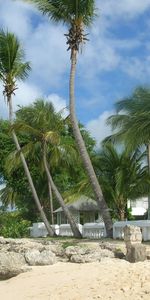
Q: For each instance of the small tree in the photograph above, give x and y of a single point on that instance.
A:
(12, 68)
(132, 123)
(44, 127)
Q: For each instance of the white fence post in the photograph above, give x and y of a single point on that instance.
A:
(39, 230)
(94, 230)
(65, 229)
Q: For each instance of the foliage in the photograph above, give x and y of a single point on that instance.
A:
(122, 176)
(65, 163)
(132, 121)
(12, 67)
(13, 225)
(67, 11)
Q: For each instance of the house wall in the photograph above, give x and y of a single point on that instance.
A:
(61, 218)
(138, 206)
(79, 217)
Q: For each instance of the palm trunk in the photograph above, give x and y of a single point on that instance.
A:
(122, 215)
(51, 203)
(148, 158)
(84, 154)
(59, 198)
(27, 172)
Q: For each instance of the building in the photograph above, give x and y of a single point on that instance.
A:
(84, 210)
(138, 207)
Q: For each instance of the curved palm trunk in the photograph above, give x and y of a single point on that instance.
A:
(59, 198)
(51, 203)
(27, 172)
(83, 152)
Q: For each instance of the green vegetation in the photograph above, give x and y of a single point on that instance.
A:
(77, 15)
(57, 155)
(13, 225)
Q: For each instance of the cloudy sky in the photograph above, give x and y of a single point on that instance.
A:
(112, 63)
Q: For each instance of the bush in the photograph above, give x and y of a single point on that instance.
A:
(12, 225)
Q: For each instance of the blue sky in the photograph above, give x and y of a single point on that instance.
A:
(112, 63)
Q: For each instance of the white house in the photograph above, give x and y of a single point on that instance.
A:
(84, 210)
(139, 206)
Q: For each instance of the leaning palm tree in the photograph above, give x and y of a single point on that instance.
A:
(43, 126)
(77, 14)
(132, 122)
(12, 68)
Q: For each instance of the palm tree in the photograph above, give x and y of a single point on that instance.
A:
(122, 177)
(44, 127)
(12, 68)
(132, 122)
(77, 14)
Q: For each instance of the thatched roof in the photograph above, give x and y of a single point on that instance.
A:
(82, 204)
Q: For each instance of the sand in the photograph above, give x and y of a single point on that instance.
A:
(110, 279)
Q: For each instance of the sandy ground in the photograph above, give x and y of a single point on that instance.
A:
(110, 279)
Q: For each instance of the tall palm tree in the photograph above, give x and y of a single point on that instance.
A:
(13, 68)
(132, 122)
(77, 14)
(43, 125)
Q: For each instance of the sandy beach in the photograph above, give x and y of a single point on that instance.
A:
(109, 279)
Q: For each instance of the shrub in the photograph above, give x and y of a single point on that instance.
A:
(13, 225)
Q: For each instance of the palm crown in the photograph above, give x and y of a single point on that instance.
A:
(67, 11)
(75, 13)
(12, 67)
(133, 121)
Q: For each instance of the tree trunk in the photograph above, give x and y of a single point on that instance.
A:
(51, 203)
(83, 151)
(122, 215)
(59, 198)
(148, 158)
(27, 172)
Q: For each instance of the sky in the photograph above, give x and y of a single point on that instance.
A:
(112, 64)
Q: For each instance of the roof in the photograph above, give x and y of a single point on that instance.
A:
(82, 204)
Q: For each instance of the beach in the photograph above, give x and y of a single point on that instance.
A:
(109, 279)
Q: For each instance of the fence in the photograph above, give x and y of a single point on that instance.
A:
(143, 224)
(65, 230)
(92, 230)
(39, 230)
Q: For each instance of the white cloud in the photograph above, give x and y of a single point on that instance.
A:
(47, 52)
(123, 9)
(137, 68)
(45, 47)
(27, 94)
(16, 16)
(24, 95)
(98, 127)
(44, 43)
(59, 104)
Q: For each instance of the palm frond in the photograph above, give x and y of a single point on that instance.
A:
(11, 57)
(67, 11)
(52, 137)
